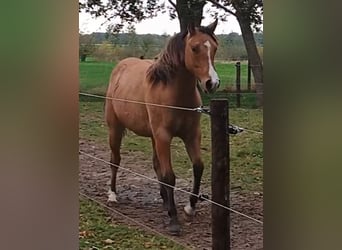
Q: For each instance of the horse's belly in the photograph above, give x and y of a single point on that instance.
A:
(135, 120)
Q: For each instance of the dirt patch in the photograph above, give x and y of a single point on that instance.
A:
(139, 199)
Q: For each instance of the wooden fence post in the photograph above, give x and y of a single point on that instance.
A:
(238, 84)
(220, 174)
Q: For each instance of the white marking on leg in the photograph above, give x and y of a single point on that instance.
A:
(189, 210)
(212, 73)
(112, 196)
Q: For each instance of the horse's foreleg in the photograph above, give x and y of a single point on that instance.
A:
(156, 166)
(162, 147)
(192, 145)
(115, 137)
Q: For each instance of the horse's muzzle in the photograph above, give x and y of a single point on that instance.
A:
(211, 86)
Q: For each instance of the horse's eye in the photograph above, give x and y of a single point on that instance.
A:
(196, 48)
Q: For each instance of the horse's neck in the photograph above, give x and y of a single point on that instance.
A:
(185, 81)
(185, 88)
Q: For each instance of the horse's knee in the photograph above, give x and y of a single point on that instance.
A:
(169, 178)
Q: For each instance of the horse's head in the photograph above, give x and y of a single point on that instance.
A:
(200, 49)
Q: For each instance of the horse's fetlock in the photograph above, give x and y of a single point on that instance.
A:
(112, 196)
(189, 210)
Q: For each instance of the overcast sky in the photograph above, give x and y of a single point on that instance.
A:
(159, 25)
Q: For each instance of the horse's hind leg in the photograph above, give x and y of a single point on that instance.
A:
(192, 144)
(156, 166)
(162, 147)
(115, 137)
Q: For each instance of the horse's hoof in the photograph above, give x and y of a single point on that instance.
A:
(189, 210)
(112, 196)
(175, 229)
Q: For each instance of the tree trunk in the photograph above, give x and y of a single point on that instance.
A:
(83, 57)
(253, 56)
(189, 11)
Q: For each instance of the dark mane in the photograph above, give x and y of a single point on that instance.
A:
(171, 58)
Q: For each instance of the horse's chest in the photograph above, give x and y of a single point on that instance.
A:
(183, 122)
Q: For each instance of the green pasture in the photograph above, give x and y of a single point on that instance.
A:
(94, 76)
(246, 150)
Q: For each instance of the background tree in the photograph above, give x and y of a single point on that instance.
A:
(247, 12)
(131, 12)
(133, 40)
(86, 46)
(146, 43)
(249, 15)
(128, 11)
(188, 11)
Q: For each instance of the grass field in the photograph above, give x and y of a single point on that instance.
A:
(94, 76)
(246, 154)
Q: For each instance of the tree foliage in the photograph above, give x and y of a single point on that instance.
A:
(247, 12)
(114, 47)
(250, 10)
(128, 11)
(86, 45)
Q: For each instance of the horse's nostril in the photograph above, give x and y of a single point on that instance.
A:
(208, 84)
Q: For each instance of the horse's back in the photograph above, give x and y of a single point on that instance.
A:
(127, 82)
(129, 72)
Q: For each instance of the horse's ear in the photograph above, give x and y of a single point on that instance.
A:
(211, 27)
(191, 28)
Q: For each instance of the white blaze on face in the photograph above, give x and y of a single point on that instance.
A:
(212, 73)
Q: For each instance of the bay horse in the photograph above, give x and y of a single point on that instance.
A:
(169, 80)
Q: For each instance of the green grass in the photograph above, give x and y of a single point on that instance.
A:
(97, 232)
(94, 76)
(227, 74)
